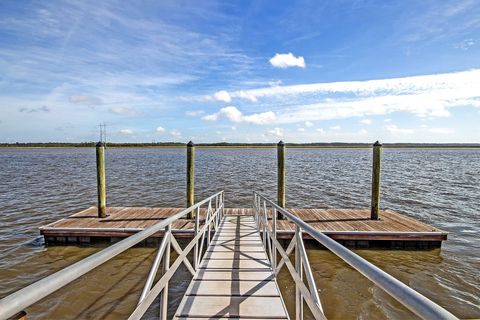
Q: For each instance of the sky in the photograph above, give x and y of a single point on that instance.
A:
(240, 71)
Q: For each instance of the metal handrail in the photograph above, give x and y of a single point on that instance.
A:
(303, 292)
(414, 301)
(23, 298)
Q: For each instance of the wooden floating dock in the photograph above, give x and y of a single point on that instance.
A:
(235, 279)
(351, 227)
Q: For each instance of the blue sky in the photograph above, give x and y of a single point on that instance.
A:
(240, 71)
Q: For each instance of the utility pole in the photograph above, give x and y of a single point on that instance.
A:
(103, 133)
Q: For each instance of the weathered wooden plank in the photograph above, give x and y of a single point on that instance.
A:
(335, 222)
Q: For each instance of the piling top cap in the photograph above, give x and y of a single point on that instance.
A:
(190, 144)
(280, 143)
(99, 144)
(377, 144)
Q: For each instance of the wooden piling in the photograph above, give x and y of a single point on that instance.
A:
(190, 177)
(376, 167)
(281, 176)
(101, 184)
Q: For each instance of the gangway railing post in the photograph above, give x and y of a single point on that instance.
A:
(299, 270)
(264, 223)
(156, 263)
(195, 250)
(165, 268)
(222, 206)
(209, 223)
(255, 209)
(274, 231)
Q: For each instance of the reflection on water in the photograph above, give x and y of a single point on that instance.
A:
(440, 187)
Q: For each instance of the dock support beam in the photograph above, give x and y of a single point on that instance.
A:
(101, 185)
(377, 158)
(281, 176)
(190, 177)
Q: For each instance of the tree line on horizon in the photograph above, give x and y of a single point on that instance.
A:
(92, 144)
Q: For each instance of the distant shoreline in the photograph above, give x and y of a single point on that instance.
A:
(246, 145)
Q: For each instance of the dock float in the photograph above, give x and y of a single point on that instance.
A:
(351, 227)
(235, 278)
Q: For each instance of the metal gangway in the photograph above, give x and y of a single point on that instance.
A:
(234, 263)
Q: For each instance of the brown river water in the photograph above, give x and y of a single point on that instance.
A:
(437, 186)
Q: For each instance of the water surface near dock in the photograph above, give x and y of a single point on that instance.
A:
(439, 187)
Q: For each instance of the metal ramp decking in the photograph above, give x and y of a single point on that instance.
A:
(235, 279)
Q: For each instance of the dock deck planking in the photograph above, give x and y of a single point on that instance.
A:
(340, 224)
(230, 286)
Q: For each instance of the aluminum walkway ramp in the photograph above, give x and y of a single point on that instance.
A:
(235, 278)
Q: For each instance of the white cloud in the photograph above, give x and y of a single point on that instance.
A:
(308, 124)
(160, 129)
(423, 96)
(366, 121)
(194, 113)
(286, 60)
(126, 111)
(127, 132)
(362, 131)
(301, 129)
(392, 128)
(225, 96)
(222, 96)
(321, 131)
(210, 117)
(245, 95)
(175, 133)
(235, 115)
(440, 112)
(277, 132)
(336, 128)
(234, 128)
(387, 120)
